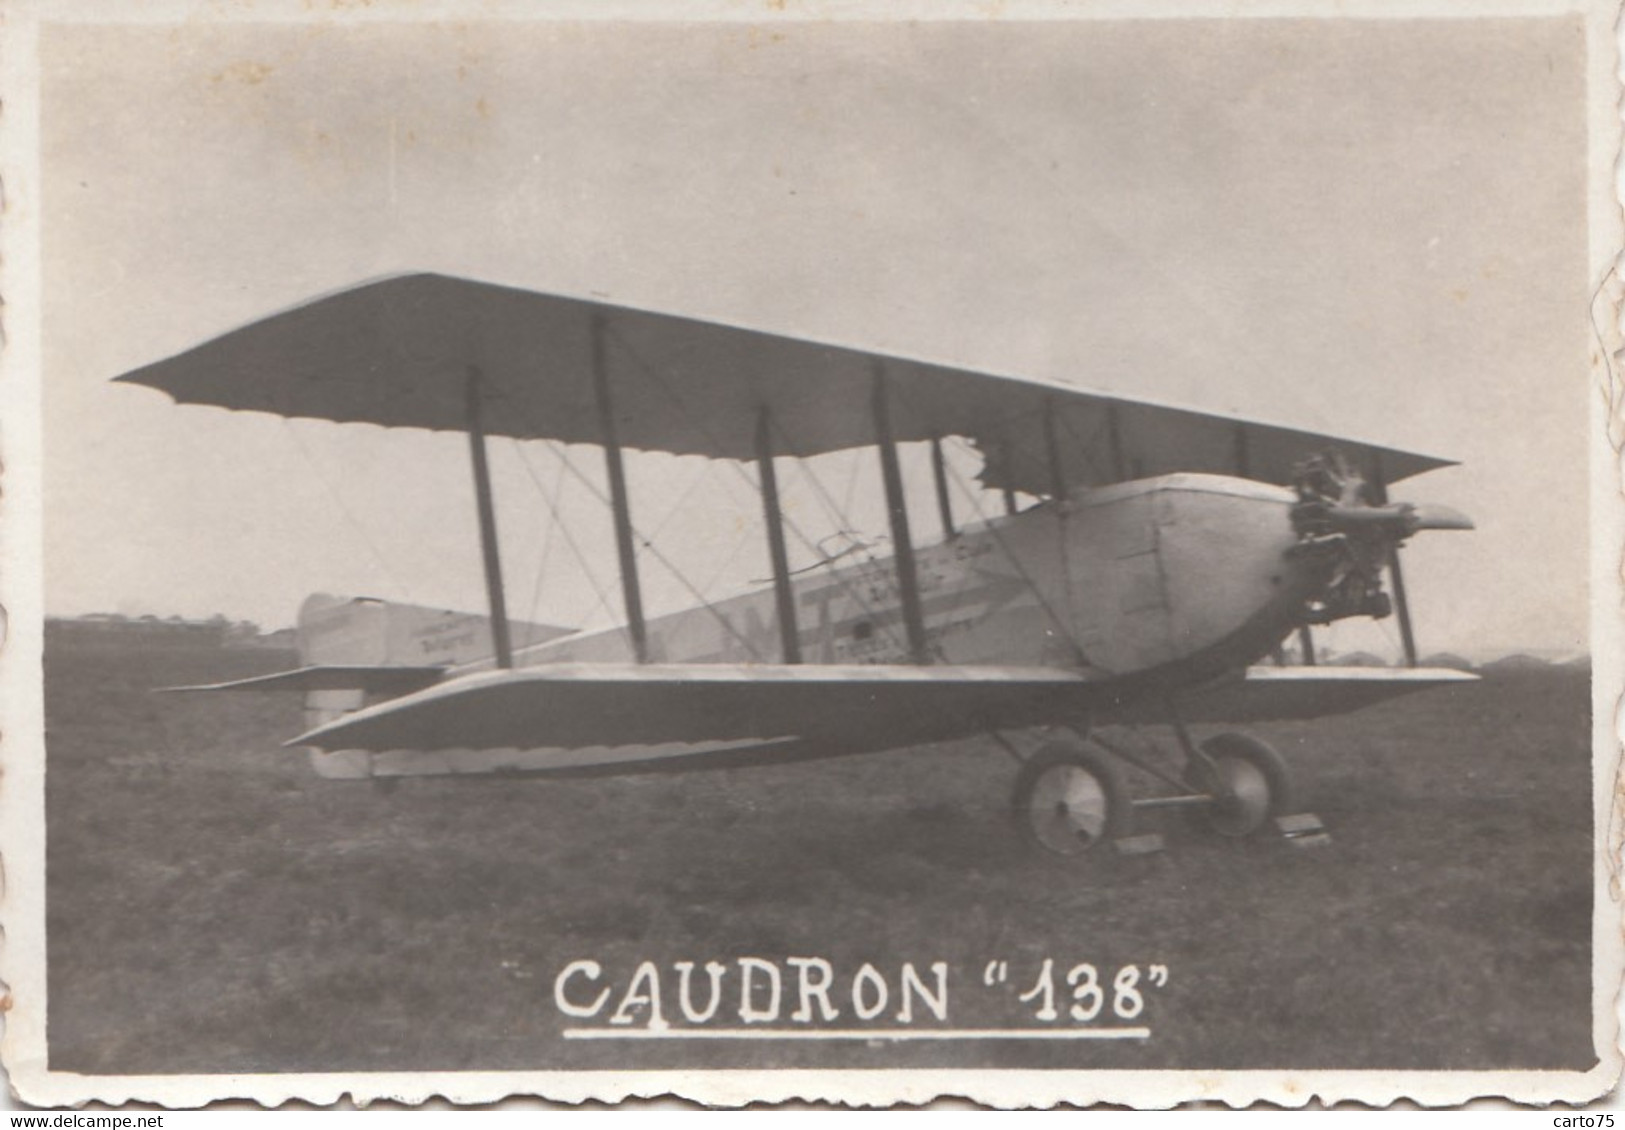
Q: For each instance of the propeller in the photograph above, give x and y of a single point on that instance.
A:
(1337, 522)
(1333, 499)
(1400, 519)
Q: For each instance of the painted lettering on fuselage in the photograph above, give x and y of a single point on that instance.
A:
(1047, 587)
(850, 614)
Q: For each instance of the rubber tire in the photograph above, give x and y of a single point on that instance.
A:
(1119, 807)
(1245, 749)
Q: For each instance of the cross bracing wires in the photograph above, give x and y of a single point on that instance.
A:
(852, 466)
(344, 507)
(559, 453)
(1062, 625)
(726, 562)
(1089, 447)
(661, 558)
(700, 477)
(843, 520)
(659, 378)
(700, 474)
(553, 526)
(705, 474)
(556, 522)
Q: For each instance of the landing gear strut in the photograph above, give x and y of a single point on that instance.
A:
(1071, 798)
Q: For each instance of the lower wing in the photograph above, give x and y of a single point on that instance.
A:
(701, 708)
(585, 717)
(1268, 694)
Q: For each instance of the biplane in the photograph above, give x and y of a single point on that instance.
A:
(1161, 559)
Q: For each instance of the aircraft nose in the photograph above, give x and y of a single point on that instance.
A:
(1334, 498)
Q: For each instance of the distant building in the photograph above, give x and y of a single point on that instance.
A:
(284, 638)
(144, 631)
(153, 631)
(1447, 659)
(1518, 662)
(1356, 659)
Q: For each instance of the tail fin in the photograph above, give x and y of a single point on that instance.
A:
(336, 631)
(362, 631)
(333, 629)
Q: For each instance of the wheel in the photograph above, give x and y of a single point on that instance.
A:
(1255, 782)
(1068, 799)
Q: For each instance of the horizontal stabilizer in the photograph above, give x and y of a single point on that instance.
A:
(377, 680)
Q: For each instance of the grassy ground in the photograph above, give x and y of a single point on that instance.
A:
(215, 907)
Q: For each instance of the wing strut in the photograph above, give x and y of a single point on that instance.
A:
(488, 521)
(1009, 492)
(945, 508)
(619, 502)
(1114, 436)
(783, 596)
(908, 582)
(1243, 454)
(1407, 634)
(1052, 447)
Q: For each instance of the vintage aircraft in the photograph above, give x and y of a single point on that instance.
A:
(1168, 554)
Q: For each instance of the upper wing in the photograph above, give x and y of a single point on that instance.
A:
(396, 352)
(578, 705)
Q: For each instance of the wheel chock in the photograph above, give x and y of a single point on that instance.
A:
(1303, 829)
(1143, 844)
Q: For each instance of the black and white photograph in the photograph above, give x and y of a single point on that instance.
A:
(758, 553)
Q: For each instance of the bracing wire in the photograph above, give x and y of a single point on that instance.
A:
(673, 512)
(870, 561)
(552, 504)
(1088, 447)
(1061, 623)
(661, 558)
(344, 508)
(563, 457)
(841, 512)
(852, 466)
(677, 401)
(564, 528)
(727, 559)
(843, 520)
(678, 508)
(1396, 646)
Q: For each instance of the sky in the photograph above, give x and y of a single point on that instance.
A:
(1371, 228)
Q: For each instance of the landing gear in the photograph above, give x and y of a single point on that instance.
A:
(1070, 799)
(1252, 785)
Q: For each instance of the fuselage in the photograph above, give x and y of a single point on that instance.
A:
(1144, 588)
(1121, 581)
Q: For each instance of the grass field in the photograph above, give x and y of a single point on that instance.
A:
(215, 907)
